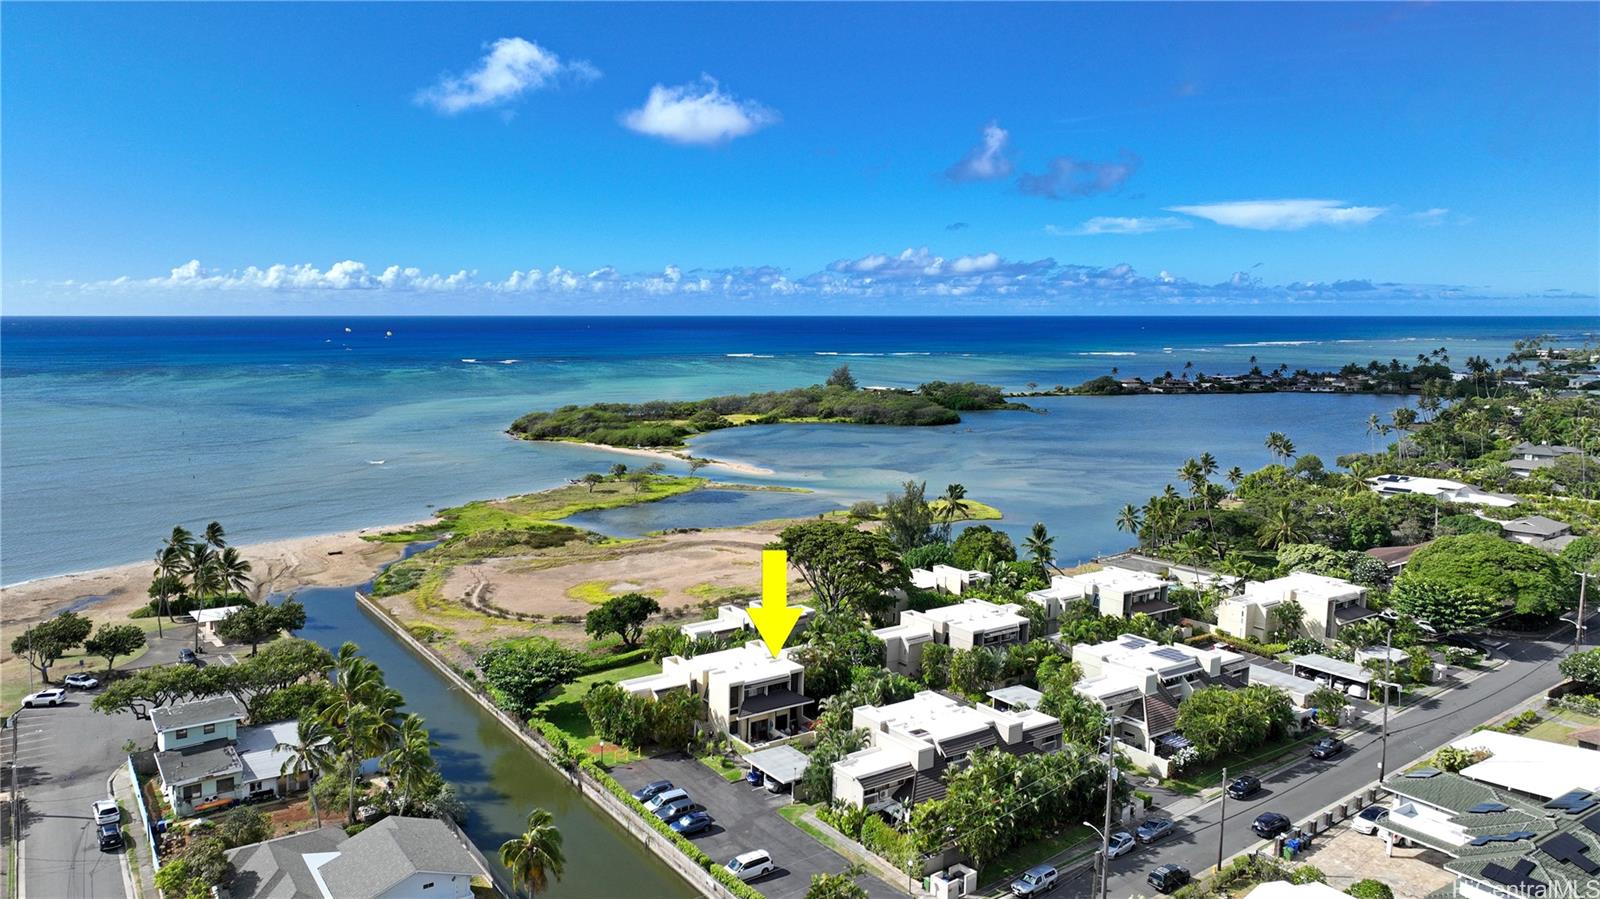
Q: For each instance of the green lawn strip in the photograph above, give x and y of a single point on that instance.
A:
(1034, 852)
(729, 771)
(795, 813)
(1209, 775)
(565, 709)
(972, 511)
(1550, 732)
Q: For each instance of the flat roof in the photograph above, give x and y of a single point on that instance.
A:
(215, 710)
(1125, 579)
(976, 612)
(783, 764)
(216, 758)
(1017, 695)
(1341, 669)
(1534, 767)
(1283, 680)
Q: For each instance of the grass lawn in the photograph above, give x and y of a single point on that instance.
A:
(1209, 775)
(1024, 856)
(1550, 732)
(730, 772)
(565, 709)
(14, 672)
(795, 812)
(974, 511)
(534, 509)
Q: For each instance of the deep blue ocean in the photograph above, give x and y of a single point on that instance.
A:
(113, 430)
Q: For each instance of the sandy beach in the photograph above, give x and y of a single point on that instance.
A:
(325, 560)
(664, 455)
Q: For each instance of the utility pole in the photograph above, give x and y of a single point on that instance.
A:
(1111, 781)
(1583, 590)
(1222, 817)
(1388, 676)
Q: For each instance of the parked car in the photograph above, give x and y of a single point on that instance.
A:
(748, 866)
(662, 798)
(52, 697)
(692, 823)
(1168, 878)
(1270, 824)
(1120, 844)
(676, 809)
(1327, 748)
(1367, 821)
(651, 790)
(1036, 881)
(81, 681)
(186, 656)
(1244, 787)
(110, 837)
(107, 812)
(1153, 829)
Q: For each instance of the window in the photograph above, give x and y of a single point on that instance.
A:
(225, 785)
(183, 733)
(428, 885)
(209, 729)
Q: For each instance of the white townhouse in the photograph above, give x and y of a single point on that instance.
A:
(1330, 603)
(969, 624)
(748, 692)
(1142, 683)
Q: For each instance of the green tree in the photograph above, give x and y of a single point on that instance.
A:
(410, 762)
(1454, 758)
(982, 547)
(256, 624)
(114, 640)
(845, 567)
(623, 615)
(974, 670)
(1041, 546)
(1281, 447)
(936, 658)
(1584, 667)
(908, 520)
(1443, 606)
(1287, 617)
(1220, 721)
(592, 480)
(837, 886)
(952, 506)
(614, 714)
(1329, 703)
(1502, 570)
(534, 857)
(47, 641)
(519, 675)
(241, 826)
(356, 713)
(618, 471)
(841, 377)
(1367, 888)
(310, 753)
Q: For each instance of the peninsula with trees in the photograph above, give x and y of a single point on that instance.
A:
(669, 423)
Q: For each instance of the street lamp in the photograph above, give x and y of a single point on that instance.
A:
(1100, 860)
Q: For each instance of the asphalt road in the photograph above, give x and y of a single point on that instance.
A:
(64, 755)
(1302, 790)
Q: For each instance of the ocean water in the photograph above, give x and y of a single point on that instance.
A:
(113, 430)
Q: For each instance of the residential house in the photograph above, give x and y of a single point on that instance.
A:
(1501, 844)
(948, 579)
(396, 858)
(1395, 558)
(969, 624)
(207, 760)
(1329, 603)
(1119, 592)
(207, 621)
(733, 620)
(1537, 530)
(912, 744)
(748, 692)
(1527, 458)
(1449, 491)
(1142, 682)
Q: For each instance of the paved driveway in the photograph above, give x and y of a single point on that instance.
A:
(64, 756)
(747, 818)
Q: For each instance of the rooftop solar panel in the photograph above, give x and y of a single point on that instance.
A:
(1512, 877)
(1564, 847)
(1170, 654)
(1593, 823)
(1573, 801)
(1423, 773)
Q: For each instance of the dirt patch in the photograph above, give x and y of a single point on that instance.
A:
(684, 572)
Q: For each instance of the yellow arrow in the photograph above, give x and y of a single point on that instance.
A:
(774, 619)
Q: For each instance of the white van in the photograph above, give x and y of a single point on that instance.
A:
(750, 865)
(665, 796)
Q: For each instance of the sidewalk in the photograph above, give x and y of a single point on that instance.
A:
(138, 873)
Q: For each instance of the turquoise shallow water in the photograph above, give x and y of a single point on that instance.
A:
(113, 430)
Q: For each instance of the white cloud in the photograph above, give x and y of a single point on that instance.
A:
(1281, 215)
(1113, 224)
(511, 67)
(977, 282)
(1430, 217)
(987, 161)
(697, 113)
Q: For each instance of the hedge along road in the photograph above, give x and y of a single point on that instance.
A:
(497, 778)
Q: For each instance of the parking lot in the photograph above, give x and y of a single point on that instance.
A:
(747, 818)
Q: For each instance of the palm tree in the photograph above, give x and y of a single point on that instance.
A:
(1235, 475)
(233, 572)
(1128, 519)
(1190, 475)
(534, 857)
(410, 761)
(1281, 447)
(954, 505)
(310, 754)
(214, 536)
(165, 580)
(1208, 464)
(356, 683)
(1282, 527)
(1041, 546)
(1374, 426)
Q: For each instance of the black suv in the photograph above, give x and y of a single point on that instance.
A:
(1270, 825)
(1168, 878)
(1327, 748)
(110, 837)
(1244, 787)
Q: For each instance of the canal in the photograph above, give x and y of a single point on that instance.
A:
(497, 778)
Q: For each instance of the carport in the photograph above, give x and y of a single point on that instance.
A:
(779, 767)
(1334, 672)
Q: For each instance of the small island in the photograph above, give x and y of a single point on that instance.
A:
(669, 423)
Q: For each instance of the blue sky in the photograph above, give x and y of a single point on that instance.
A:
(1322, 158)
